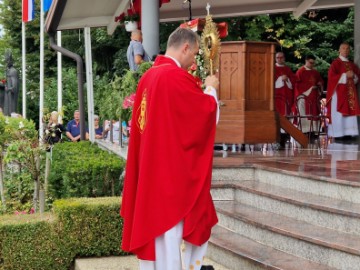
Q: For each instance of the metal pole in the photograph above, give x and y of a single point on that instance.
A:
(59, 76)
(23, 70)
(41, 105)
(89, 83)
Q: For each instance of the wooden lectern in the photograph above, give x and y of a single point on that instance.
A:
(246, 93)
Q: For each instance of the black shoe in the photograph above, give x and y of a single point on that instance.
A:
(207, 267)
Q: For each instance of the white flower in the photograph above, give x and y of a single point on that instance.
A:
(21, 125)
(47, 131)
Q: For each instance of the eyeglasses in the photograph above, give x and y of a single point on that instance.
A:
(311, 62)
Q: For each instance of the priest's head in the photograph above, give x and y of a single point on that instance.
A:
(344, 49)
(183, 45)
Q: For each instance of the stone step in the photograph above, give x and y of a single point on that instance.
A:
(345, 190)
(319, 244)
(328, 187)
(239, 252)
(322, 211)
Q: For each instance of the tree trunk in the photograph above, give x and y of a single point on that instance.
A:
(36, 184)
(2, 193)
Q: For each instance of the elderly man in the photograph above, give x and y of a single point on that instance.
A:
(342, 98)
(73, 128)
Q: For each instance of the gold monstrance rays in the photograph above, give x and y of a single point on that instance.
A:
(210, 44)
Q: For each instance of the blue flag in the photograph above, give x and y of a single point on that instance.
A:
(46, 5)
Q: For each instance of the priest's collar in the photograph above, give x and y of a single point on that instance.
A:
(176, 61)
(279, 65)
(343, 58)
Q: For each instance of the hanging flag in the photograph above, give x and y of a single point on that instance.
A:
(47, 5)
(28, 10)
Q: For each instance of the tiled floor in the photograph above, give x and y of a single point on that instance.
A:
(334, 161)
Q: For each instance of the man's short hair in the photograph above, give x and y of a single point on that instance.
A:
(344, 43)
(310, 57)
(182, 35)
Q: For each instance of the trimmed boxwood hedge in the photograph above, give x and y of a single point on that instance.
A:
(84, 170)
(80, 227)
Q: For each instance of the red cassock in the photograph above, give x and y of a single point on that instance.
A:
(284, 96)
(347, 97)
(169, 163)
(305, 79)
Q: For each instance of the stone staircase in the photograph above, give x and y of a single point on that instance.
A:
(270, 219)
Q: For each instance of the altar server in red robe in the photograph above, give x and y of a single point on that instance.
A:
(342, 97)
(309, 86)
(284, 85)
(167, 207)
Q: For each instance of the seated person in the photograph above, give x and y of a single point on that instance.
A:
(115, 131)
(73, 128)
(124, 132)
(98, 129)
(54, 129)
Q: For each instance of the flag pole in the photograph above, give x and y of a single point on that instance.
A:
(41, 105)
(59, 77)
(23, 69)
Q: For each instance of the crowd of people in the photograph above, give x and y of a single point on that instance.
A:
(301, 96)
(56, 132)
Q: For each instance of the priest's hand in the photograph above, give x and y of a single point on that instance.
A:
(212, 81)
(350, 74)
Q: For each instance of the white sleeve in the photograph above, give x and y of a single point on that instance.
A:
(211, 91)
(342, 79)
(279, 82)
(356, 79)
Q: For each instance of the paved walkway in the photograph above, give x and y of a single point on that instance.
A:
(123, 263)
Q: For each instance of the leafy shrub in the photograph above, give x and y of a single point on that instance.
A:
(84, 170)
(21, 156)
(81, 227)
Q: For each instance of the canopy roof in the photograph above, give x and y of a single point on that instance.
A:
(75, 14)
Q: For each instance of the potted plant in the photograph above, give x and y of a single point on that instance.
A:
(129, 20)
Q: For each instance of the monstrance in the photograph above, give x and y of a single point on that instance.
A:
(210, 44)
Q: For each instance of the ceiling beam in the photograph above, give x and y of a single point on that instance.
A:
(124, 4)
(227, 11)
(303, 7)
(78, 23)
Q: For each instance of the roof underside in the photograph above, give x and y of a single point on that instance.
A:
(75, 14)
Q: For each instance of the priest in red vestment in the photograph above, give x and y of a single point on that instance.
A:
(284, 85)
(166, 198)
(342, 98)
(308, 88)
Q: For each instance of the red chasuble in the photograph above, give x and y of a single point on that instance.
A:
(305, 79)
(347, 98)
(284, 96)
(169, 163)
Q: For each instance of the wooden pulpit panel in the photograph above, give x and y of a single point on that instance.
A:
(259, 76)
(246, 90)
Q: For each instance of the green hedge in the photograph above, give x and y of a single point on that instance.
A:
(84, 170)
(80, 227)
